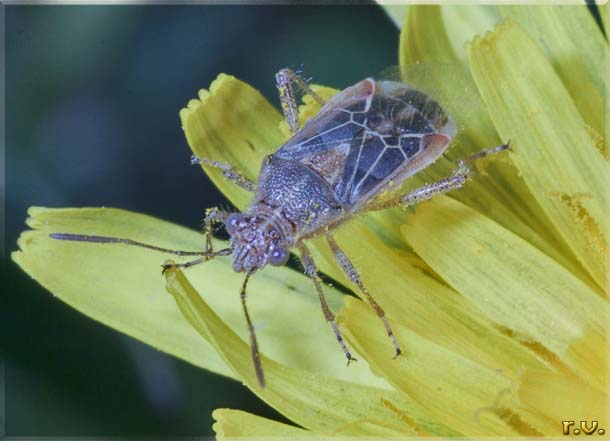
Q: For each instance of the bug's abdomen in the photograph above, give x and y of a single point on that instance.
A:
(298, 192)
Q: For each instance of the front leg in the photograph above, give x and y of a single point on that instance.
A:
(213, 215)
(228, 172)
(284, 80)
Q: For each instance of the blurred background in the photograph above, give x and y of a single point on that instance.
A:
(92, 101)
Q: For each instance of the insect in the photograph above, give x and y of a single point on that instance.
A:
(365, 140)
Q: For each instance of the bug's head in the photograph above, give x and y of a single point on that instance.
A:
(256, 241)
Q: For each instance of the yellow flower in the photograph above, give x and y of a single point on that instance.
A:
(497, 293)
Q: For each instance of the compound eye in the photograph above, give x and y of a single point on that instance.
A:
(278, 256)
(233, 223)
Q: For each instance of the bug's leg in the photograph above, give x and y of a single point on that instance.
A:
(302, 85)
(456, 180)
(288, 99)
(312, 271)
(213, 215)
(284, 80)
(353, 275)
(486, 152)
(228, 172)
(205, 258)
(256, 358)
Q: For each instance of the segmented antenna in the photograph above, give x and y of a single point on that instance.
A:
(256, 357)
(108, 239)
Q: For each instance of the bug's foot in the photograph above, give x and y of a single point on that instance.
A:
(350, 358)
(167, 266)
(397, 354)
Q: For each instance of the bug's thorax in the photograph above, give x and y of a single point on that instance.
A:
(259, 236)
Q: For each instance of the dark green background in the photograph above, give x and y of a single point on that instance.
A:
(92, 101)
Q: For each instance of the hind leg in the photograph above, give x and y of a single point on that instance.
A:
(456, 180)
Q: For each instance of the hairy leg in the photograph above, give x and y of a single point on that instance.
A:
(354, 276)
(285, 79)
(456, 180)
(312, 271)
(228, 172)
(213, 215)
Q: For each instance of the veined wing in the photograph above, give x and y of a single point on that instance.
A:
(333, 127)
(369, 134)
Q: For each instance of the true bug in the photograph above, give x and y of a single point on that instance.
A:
(367, 138)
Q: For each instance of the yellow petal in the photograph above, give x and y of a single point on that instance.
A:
(416, 298)
(435, 33)
(235, 124)
(577, 50)
(231, 424)
(560, 397)
(552, 148)
(452, 389)
(319, 403)
(464, 22)
(424, 37)
(120, 286)
(514, 284)
(498, 191)
(395, 11)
